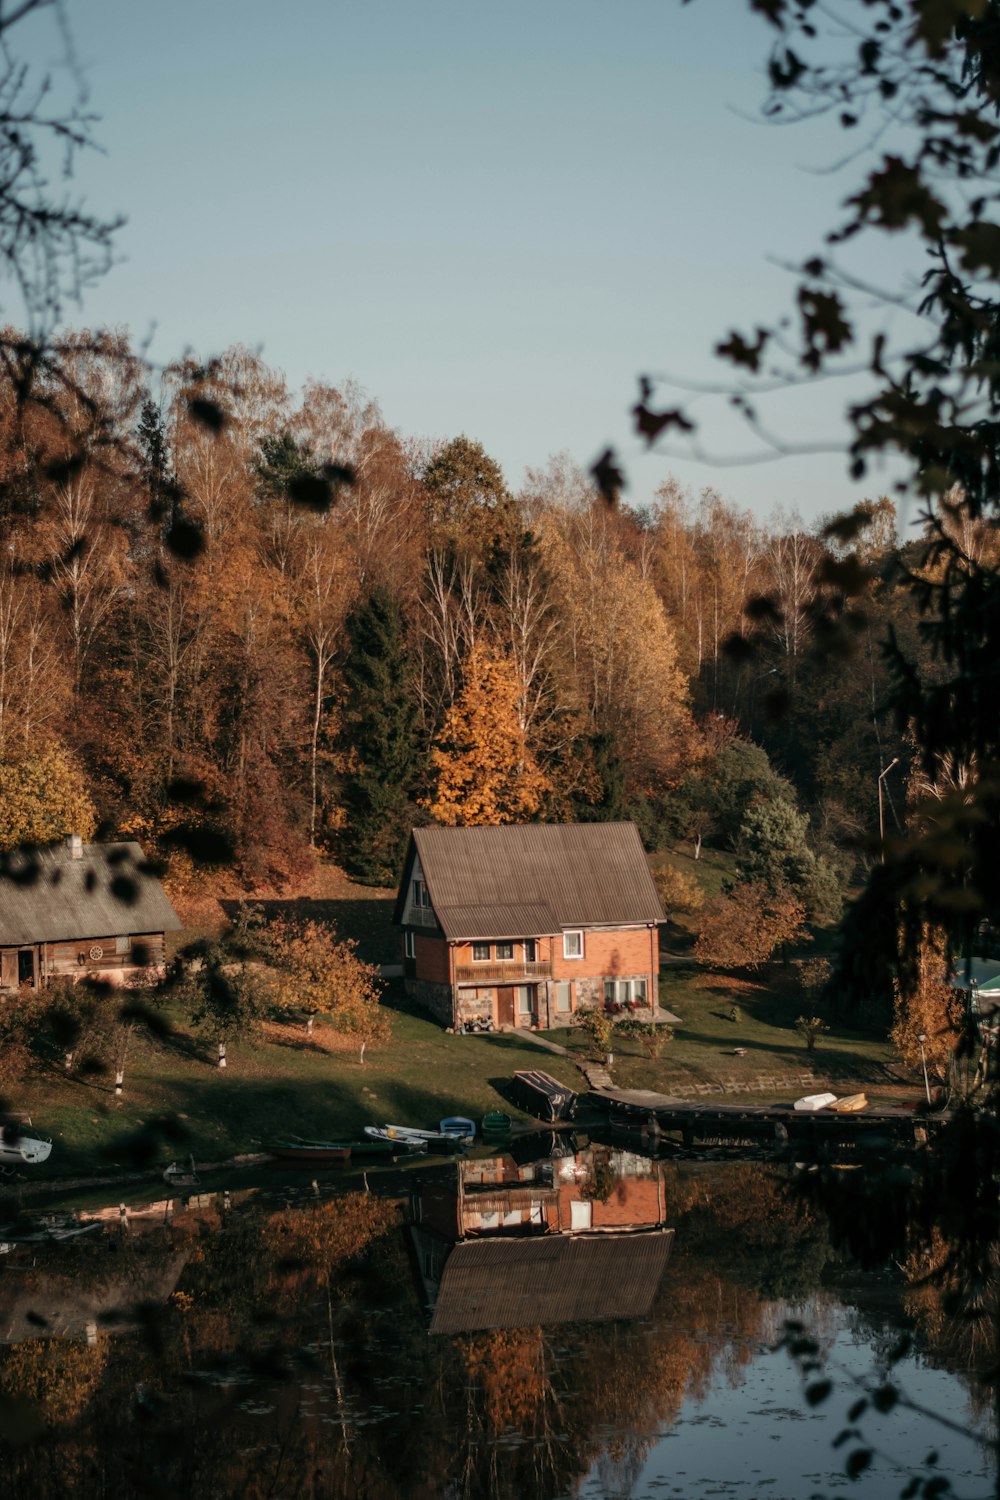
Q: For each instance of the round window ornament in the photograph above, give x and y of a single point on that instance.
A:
(97, 951)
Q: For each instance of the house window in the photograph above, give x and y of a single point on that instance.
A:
(619, 992)
(572, 945)
(505, 950)
(420, 896)
(410, 944)
(123, 945)
(564, 997)
(525, 997)
(480, 953)
(529, 950)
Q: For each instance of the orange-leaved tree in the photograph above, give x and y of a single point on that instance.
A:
(927, 1010)
(485, 771)
(319, 974)
(741, 930)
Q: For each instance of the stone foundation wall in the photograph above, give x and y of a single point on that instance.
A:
(434, 997)
(475, 1005)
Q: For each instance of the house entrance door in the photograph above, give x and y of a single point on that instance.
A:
(25, 966)
(505, 1006)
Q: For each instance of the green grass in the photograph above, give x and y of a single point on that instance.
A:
(702, 1049)
(269, 1090)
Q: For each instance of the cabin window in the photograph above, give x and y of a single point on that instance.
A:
(409, 944)
(123, 944)
(420, 896)
(572, 945)
(529, 950)
(564, 997)
(480, 953)
(505, 950)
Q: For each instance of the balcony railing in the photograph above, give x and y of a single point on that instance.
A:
(513, 971)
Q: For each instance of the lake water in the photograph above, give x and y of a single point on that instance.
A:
(588, 1324)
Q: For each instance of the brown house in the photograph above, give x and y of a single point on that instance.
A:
(503, 1245)
(523, 924)
(81, 910)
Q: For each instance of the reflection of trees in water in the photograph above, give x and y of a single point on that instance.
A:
(293, 1357)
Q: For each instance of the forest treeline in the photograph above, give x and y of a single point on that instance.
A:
(238, 622)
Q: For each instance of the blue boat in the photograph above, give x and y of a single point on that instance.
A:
(458, 1126)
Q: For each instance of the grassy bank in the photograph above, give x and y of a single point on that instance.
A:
(284, 1082)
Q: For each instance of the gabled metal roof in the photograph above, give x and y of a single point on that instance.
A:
(551, 876)
(550, 1278)
(48, 896)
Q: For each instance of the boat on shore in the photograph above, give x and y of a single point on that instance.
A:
(810, 1103)
(415, 1140)
(19, 1150)
(495, 1122)
(297, 1149)
(850, 1104)
(459, 1127)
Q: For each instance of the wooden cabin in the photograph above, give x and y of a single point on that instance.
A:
(80, 910)
(521, 925)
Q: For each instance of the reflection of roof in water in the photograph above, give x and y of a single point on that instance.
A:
(517, 1283)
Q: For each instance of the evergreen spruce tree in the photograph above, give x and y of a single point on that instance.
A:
(379, 736)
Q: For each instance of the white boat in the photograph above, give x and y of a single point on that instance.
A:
(18, 1149)
(412, 1140)
(813, 1102)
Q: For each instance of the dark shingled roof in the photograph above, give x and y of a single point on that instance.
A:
(517, 1283)
(103, 894)
(533, 878)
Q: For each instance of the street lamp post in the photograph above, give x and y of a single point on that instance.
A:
(923, 1060)
(881, 808)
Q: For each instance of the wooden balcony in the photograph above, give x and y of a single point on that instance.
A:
(509, 971)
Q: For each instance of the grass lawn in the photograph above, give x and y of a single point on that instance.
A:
(702, 1050)
(284, 1083)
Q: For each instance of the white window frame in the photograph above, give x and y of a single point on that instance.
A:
(409, 945)
(567, 1009)
(420, 897)
(481, 958)
(576, 932)
(505, 957)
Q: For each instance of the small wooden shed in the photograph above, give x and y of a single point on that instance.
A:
(81, 910)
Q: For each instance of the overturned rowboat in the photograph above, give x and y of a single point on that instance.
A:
(850, 1104)
(813, 1102)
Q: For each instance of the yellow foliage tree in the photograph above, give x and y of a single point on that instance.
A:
(485, 772)
(321, 975)
(42, 799)
(929, 1010)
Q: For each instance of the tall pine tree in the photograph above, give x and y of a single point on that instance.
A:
(379, 738)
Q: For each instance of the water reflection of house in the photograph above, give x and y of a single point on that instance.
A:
(580, 1238)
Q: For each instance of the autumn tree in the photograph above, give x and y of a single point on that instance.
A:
(927, 1009)
(484, 771)
(43, 797)
(321, 975)
(378, 740)
(742, 929)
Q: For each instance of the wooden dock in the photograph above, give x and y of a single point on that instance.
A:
(777, 1125)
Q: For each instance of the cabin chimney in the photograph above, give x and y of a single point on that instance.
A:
(74, 843)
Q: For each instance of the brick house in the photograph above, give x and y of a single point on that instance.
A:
(80, 910)
(521, 925)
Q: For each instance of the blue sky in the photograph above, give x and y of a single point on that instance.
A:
(492, 217)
